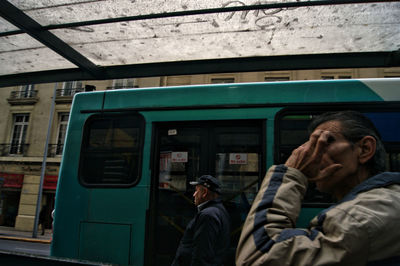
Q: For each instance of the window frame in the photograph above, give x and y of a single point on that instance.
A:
(59, 141)
(211, 129)
(315, 109)
(337, 74)
(222, 80)
(85, 139)
(280, 78)
(75, 87)
(124, 83)
(26, 91)
(22, 135)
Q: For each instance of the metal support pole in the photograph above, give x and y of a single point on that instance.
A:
(43, 170)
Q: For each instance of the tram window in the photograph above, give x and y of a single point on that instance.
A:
(237, 162)
(111, 150)
(232, 151)
(388, 125)
(293, 131)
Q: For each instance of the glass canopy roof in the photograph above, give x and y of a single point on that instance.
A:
(50, 40)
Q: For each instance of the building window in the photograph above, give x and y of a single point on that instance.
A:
(62, 130)
(222, 80)
(327, 77)
(272, 79)
(123, 83)
(26, 91)
(391, 72)
(70, 88)
(20, 128)
(272, 76)
(24, 95)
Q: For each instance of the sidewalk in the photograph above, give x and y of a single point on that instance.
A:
(10, 233)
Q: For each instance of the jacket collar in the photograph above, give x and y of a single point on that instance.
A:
(380, 180)
(208, 203)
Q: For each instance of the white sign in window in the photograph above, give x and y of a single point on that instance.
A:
(172, 132)
(179, 157)
(237, 158)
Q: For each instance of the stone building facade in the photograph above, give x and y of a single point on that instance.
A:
(24, 121)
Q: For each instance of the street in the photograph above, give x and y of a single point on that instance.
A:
(25, 247)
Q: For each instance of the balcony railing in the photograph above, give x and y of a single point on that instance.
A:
(54, 150)
(23, 97)
(13, 149)
(23, 94)
(66, 95)
(68, 92)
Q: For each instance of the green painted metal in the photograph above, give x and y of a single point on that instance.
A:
(98, 239)
(115, 219)
(72, 200)
(306, 215)
(248, 93)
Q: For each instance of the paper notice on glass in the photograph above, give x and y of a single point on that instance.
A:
(237, 158)
(179, 157)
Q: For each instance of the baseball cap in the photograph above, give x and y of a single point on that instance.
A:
(209, 182)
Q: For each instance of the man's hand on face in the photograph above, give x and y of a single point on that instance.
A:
(308, 157)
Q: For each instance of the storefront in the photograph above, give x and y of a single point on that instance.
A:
(48, 198)
(10, 194)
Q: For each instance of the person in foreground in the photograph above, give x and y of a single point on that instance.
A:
(344, 156)
(207, 236)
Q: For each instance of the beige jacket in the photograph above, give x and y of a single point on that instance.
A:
(364, 228)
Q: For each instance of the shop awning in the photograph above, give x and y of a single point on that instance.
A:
(11, 180)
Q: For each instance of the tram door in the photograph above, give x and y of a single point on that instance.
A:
(232, 151)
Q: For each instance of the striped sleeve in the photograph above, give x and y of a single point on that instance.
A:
(269, 235)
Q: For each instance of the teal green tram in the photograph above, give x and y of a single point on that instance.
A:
(123, 195)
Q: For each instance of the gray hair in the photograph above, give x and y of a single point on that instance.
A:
(355, 126)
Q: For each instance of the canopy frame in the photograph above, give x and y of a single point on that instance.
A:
(87, 70)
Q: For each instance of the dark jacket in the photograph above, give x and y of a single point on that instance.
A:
(206, 239)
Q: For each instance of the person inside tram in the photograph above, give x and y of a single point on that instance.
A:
(345, 157)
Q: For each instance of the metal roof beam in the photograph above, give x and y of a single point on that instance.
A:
(268, 63)
(35, 30)
(201, 12)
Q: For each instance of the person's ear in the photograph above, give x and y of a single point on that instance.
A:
(206, 192)
(367, 149)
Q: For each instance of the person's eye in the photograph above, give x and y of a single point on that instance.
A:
(331, 139)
